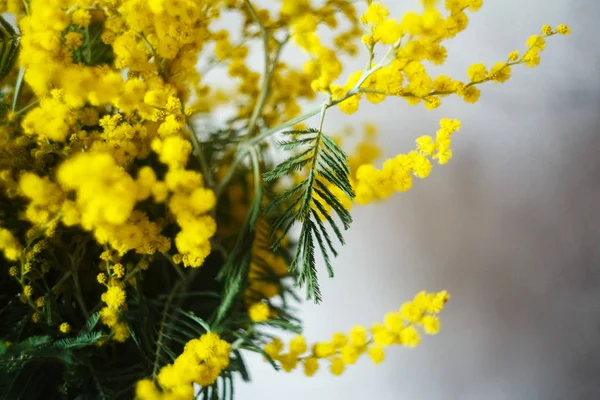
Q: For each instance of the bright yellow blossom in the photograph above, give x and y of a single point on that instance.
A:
(259, 312)
(536, 42)
(339, 340)
(64, 327)
(40, 302)
(298, 345)
(112, 171)
(376, 13)
(410, 337)
(9, 245)
(546, 29)
(81, 18)
(377, 354)
(101, 277)
(400, 328)
(311, 365)
(477, 72)
(358, 336)
(349, 354)
(118, 270)
(337, 366)
(500, 72)
(563, 29)
(121, 332)
(115, 297)
(431, 324)
(109, 316)
(201, 362)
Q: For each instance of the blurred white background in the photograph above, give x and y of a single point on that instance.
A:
(510, 227)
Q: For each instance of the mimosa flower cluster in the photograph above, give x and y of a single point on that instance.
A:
(398, 328)
(147, 218)
(201, 362)
(396, 174)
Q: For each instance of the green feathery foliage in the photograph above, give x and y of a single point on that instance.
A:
(93, 51)
(9, 47)
(309, 202)
(44, 355)
(235, 271)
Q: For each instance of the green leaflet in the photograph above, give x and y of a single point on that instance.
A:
(309, 202)
(22, 360)
(235, 270)
(9, 47)
(93, 51)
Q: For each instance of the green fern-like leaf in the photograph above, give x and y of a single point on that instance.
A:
(93, 51)
(79, 341)
(9, 47)
(91, 323)
(54, 360)
(235, 271)
(309, 202)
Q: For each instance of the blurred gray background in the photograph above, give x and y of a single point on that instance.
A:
(510, 227)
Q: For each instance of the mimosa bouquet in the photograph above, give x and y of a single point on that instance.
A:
(155, 227)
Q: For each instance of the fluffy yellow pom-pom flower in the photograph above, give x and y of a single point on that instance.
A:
(115, 297)
(64, 327)
(259, 312)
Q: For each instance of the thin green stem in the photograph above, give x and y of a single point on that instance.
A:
(230, 173)
(97, 383)
(386, 60)
(79, 295)
(321, 121)
(201, 391)
(236, 345)
(161, 332)
(77, 285)
(62, 280)
(33, 306)
(200, 154)
(28, 107)
(255, 168)
(269, 69)
(211, 62)
(160, 62)
(370, 90)
(254, 15)
(287, 124)
(306, 206)
(370, 49)
(134, 270)
(18, 87)
(266, 87)
(241, 339)
(175, 266)
(149, 46)
(88, 50)
(315, 161)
